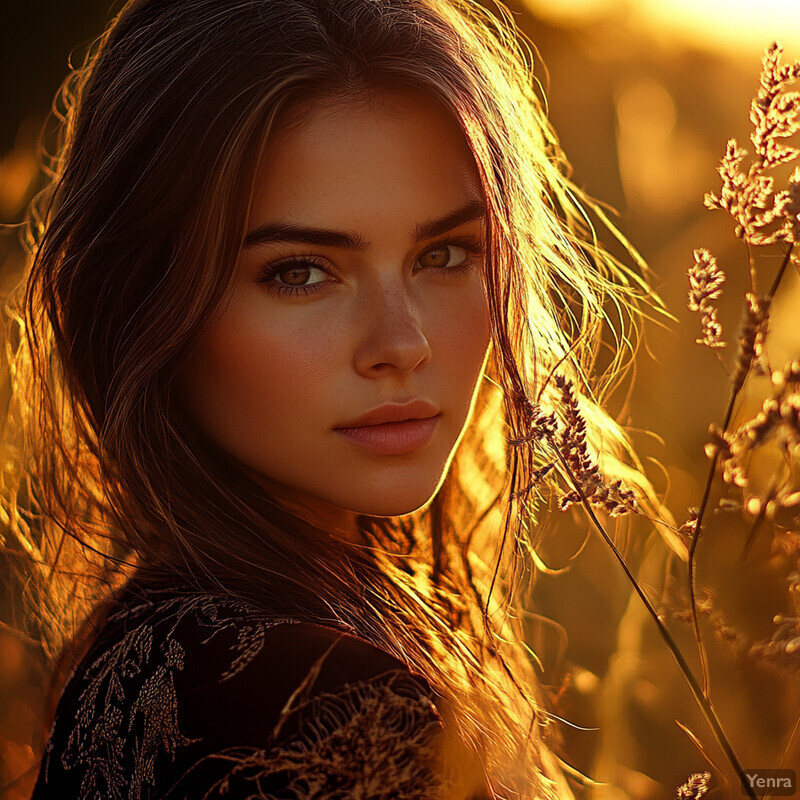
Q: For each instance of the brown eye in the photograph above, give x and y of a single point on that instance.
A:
(289, 277)
(294, 273)
(296, 276)
(447, 256)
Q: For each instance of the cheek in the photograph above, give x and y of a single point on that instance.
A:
(460, 338)
(252, 372)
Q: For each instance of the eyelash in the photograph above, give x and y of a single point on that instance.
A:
(471, 244)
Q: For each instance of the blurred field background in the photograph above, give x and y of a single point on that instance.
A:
(644, 95)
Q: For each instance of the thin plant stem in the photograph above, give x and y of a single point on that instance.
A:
(786, 751)
(779, 275)
(707, 493)
(754, 528)
(751, 268)
(701, 698)
(693, 546)
(790, 743)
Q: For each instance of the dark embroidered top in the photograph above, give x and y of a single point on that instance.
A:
(181, 696)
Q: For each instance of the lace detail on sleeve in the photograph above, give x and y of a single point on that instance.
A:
(126, 717)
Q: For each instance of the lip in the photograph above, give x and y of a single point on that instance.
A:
(393, 412)
(393, 429)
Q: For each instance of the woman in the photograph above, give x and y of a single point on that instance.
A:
(293, 295)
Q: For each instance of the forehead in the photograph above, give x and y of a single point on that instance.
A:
(396, 155)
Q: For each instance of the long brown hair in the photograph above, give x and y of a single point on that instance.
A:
(132, 252)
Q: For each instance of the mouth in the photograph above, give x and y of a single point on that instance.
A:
(418, 409)
(392, 438)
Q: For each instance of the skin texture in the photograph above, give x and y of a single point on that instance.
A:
(277, 373)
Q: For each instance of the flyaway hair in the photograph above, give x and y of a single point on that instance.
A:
(132, 249)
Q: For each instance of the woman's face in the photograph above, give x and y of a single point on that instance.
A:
(359, 286)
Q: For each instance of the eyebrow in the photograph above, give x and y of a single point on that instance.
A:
(347, 240)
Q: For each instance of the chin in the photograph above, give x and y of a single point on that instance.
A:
(391, 511)
(395, 506)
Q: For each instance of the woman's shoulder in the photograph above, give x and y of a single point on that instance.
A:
(184, 694)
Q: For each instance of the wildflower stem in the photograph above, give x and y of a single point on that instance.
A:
(790, 744)
(779, 276)
(709, 481)
(754, 528)
(751, 267)
(693, 547)
(700, 696)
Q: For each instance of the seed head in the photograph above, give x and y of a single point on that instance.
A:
(694, 787)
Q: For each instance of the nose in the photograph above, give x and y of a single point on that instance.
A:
(392, 338)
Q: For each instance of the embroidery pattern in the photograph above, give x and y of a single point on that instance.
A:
(369, 739)
(120, 708)
(374, 739)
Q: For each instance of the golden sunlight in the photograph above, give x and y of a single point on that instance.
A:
(731, 25)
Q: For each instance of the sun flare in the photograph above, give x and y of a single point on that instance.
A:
(731, 25)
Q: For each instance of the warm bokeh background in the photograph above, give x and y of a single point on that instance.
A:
(644, 94)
